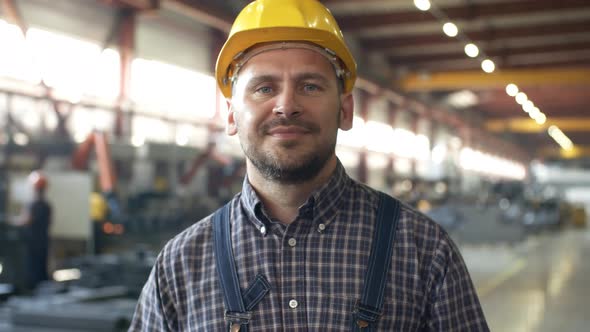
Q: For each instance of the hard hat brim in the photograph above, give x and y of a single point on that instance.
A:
(243, 40)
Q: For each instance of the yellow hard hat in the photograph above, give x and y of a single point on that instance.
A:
(266, 21)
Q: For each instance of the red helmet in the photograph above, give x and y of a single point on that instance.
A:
(38, 180)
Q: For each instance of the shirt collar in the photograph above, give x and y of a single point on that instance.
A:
(322, 205)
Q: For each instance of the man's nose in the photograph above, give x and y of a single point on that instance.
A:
(287, 104)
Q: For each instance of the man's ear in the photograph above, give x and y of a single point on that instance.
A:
(230, 127)
(347, 111)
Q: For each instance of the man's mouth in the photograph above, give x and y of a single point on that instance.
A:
(288, 132)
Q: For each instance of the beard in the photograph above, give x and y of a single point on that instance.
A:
(283, 166)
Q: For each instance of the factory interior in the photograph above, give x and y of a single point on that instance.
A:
(475, 112)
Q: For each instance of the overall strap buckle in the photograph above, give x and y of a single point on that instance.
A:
(365, 315)
(235, 320)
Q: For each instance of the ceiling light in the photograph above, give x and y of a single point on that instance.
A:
(521, 98)
(423, 5)
(137, 141)
(511, 89)
(541, 119)
(560, 138)
(471, 50)
(182, 140)
(529, 107)
(534, 112)
(462, 99)
(21, 139)
(488, 66)
(450, 29)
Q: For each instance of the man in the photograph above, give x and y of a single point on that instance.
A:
(309, 248)
(37, 219)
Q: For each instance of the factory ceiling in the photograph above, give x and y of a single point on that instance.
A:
(541, 46)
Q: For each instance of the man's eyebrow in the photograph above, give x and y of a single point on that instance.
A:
(255, 80)
(312, 76)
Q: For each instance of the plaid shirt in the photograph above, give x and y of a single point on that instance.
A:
(316, 267)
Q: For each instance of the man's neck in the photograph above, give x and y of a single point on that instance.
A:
(282, 201)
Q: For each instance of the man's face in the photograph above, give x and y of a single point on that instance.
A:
(286, 109)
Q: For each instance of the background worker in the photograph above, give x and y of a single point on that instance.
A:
(36, 217)
(303, 247)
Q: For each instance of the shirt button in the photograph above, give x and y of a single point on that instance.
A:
(263, 230)
(292, 242)
(293, 304)
(321, 227)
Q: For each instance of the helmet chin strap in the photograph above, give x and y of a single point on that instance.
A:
(242, 58)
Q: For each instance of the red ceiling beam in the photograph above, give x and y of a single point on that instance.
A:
(558, 63)
(574, 108)
(495, 112)
(504, 63)
(211, 16)
(480, 36)
(141, 5)
(544, 92)
(341, 1)
(495, 52)
(460, 13)
(579, 137)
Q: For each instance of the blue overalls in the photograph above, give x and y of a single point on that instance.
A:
(238, 304)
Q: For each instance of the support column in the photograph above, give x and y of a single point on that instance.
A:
(11, 12)
(391, 120)
(364, 114)
(126, 45)
(414, 125)
(217, 41)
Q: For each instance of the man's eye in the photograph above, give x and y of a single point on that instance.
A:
(310, 88)
(264, 90)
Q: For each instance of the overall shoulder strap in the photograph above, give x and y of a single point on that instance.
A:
(235, 312)
(369, 309)
(237, 306)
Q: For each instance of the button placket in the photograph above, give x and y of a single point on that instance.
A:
(294, 271)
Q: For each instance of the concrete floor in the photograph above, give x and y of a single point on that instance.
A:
(538, 285)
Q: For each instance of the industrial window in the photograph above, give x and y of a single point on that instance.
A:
(480, 162)
(72, 67)
(176, 92)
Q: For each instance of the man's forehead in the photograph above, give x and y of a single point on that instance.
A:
(290, 61)
(293, 57)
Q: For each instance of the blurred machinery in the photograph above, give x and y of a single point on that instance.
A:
(509, 209)
(579, 216)
(536, 207)
(435, 198)
(99, 292)
(90, 293)
(107, 178)
(155, 212)
(12, 249)
(12, 266)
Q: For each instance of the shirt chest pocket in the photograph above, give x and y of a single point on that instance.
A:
(336, 314)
